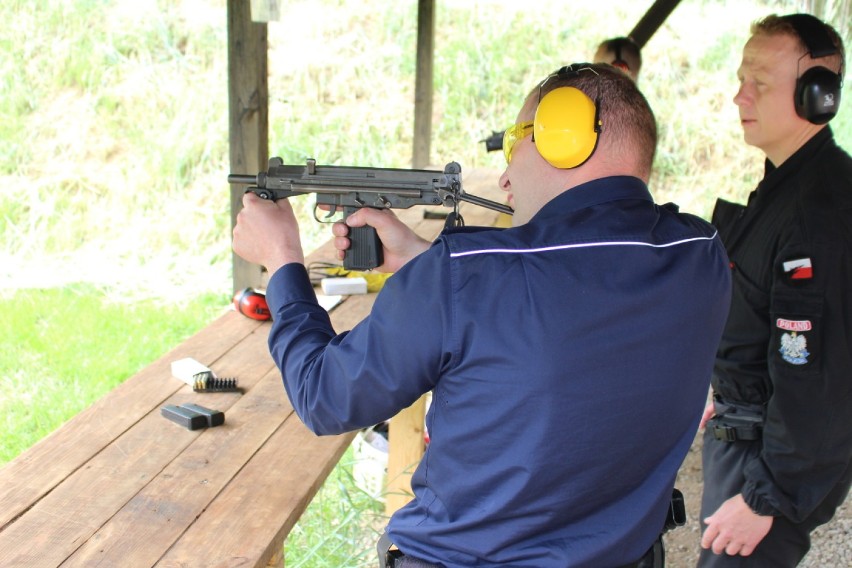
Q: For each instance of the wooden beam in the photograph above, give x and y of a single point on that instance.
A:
(265, 10)
(424, 83)
(652, 20)
(248, 116)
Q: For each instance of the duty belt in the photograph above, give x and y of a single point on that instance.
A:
(736, 422)
(729, 433)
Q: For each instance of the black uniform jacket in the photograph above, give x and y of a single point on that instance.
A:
(787, 343)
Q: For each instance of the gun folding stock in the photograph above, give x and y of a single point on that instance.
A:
(350, 188)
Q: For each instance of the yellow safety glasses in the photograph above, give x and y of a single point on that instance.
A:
(513, 135)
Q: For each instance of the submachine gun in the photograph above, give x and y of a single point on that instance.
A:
(350, 188)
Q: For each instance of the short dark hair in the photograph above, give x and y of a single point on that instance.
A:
(628, 125)
(782, 25)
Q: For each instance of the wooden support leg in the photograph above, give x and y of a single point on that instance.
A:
(277, 560)
(405, 438)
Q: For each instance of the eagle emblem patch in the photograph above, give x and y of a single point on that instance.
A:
(794, 345)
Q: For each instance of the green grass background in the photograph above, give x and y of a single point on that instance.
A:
(114, 218)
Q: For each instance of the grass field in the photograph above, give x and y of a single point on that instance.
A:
(113, 162)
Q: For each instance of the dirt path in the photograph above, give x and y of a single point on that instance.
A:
(832, 543)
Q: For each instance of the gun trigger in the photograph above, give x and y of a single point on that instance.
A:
(331, 212)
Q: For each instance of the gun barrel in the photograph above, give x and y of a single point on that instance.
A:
(242, 179)
(487, 203)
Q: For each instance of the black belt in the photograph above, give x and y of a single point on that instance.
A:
(390, 557)
(736, 421)
(726, 433)
(653, 558)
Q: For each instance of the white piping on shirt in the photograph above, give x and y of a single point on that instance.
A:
(580, 245)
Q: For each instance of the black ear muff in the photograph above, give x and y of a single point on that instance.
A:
(618, 62)
(817, 95)
(566, 126)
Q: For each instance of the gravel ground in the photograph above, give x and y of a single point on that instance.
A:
(831, 543)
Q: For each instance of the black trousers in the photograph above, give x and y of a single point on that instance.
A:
(787, 542)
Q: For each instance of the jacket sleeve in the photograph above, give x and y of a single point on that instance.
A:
(807, 438)
(358, 378)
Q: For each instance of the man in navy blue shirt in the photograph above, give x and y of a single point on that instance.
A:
(569, 356)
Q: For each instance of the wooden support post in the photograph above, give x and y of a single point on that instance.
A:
(405, 438)
(248, 115)
(652, 20)
(265, 10)
(277, 561)
(424, 83)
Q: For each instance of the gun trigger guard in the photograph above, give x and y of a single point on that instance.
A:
(317, 219)
(331, 213)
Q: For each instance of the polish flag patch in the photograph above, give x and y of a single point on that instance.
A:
(799, 269)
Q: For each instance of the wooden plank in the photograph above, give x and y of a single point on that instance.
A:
(164, 509)
(86, 499)
(26, 479)
(254, 541)
(265, 10)
(63, 520)
(253, 515)
(156, 517)
(158, 512)
(406, 447)
(248, 116)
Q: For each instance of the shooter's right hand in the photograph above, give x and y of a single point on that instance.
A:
(399, 242)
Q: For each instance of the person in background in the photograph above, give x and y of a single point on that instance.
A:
(569, 355)
(777, 453)
(622, 53)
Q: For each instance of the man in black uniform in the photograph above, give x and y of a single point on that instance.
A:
(778, 436)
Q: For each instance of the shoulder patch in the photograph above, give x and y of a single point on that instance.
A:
(794, 343)
(799, 269)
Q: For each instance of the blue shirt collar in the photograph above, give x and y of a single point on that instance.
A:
(594, 192)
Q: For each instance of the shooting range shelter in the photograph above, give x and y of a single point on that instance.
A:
(248, 94)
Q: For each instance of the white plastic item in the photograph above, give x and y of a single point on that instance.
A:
(344, 286)
(187, 369)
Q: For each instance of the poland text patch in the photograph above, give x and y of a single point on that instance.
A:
(794, 344)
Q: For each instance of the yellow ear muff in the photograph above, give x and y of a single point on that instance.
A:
(565, 128)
